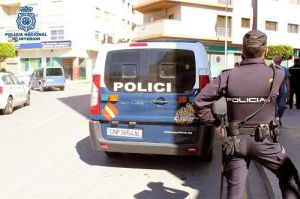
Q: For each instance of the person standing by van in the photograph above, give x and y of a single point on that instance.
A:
(284, 90)
(252, 131)
(294, 72)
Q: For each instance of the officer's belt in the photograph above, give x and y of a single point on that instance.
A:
(244, 131)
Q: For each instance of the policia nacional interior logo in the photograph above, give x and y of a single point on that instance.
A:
(26, 19)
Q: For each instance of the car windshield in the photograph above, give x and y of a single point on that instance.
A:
(53, 72)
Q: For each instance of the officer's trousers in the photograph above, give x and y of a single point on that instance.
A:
(270, 155)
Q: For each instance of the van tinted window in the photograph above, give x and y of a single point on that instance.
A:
(53, 72)
(138, 70)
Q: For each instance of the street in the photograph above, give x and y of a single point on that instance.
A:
(46, 153)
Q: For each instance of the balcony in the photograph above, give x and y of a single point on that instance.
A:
(175, 29)
(9, 2)
(145, 6)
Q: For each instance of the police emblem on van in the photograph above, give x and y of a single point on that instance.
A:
(185, 115)
(139, 87)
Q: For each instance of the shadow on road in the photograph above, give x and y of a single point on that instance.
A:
(79, 103)
(185, 168)
(158, 190)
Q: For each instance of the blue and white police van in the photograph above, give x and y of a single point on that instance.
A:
(141, 99)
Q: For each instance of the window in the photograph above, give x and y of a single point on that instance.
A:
(129, 71)
(53, 72)
(295, 2)
(98, 12)
(98, 36)
(145, 66)
(220, 26)
(245, 23)
(57, 33)
(171, 16)
(7, 79)
(293, 28)
(56, 7)
(224, 1)
(270, 25)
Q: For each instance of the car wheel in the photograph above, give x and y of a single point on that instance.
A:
(41, 87)
(112, 154)
(62, 88)
(27, 103)
(9, 106)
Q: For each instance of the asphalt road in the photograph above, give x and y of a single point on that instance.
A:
(45, 152)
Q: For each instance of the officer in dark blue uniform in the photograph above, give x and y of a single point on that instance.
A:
(250, 91)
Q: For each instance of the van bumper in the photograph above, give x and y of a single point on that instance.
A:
(203, 146)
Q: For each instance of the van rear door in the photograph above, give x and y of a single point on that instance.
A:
(126, 74)
(174, 69)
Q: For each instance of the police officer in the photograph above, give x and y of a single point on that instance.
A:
(248, 88)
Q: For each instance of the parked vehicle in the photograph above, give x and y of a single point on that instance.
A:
(47, 77)
(23, 77)
(12, 93)
(141, 99)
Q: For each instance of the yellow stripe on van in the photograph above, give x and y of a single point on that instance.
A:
(109, 111)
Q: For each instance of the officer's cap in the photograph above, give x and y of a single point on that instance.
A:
(254, 39)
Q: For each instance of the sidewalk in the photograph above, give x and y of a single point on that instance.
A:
(290, 139)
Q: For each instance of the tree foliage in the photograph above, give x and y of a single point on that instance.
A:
(7, 51)
(285, 51)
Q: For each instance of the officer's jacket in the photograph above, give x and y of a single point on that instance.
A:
(245, 89)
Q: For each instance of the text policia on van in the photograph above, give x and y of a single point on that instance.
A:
(139, 87)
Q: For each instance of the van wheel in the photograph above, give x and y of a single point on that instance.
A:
(41, 88)
(9, 106)
(112, 154)
(27, 103)
(62, 88)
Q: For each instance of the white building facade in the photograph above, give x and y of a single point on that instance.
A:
(205, 20)
(74, 32)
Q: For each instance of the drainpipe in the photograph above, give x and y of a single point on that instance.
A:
(226, 22)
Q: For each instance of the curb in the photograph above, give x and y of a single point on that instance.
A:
(270, 182)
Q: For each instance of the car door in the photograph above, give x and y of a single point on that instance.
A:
(12, 89)
(20, 90)
(34, 79)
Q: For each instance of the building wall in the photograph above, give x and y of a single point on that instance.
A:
(86, 23)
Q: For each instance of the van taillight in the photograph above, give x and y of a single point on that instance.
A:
(95, 96)
(1, 90)
(138, 44)
(203, 80)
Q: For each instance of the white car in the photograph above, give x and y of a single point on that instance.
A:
(12, 93)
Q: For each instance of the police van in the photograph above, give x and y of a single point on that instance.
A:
(141, 99)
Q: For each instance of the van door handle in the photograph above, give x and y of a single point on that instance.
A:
(160, 101)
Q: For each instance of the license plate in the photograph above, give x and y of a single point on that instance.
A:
(135, 133)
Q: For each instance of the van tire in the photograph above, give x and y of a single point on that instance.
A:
(41, 88)
(27, 103)
(112, 154)
(9, 106)
(62, 88)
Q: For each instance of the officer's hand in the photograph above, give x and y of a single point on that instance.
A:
(218, 129)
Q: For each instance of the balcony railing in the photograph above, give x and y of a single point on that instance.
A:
(168, 28)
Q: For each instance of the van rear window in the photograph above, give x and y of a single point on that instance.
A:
(53, 72)
(150, 70)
